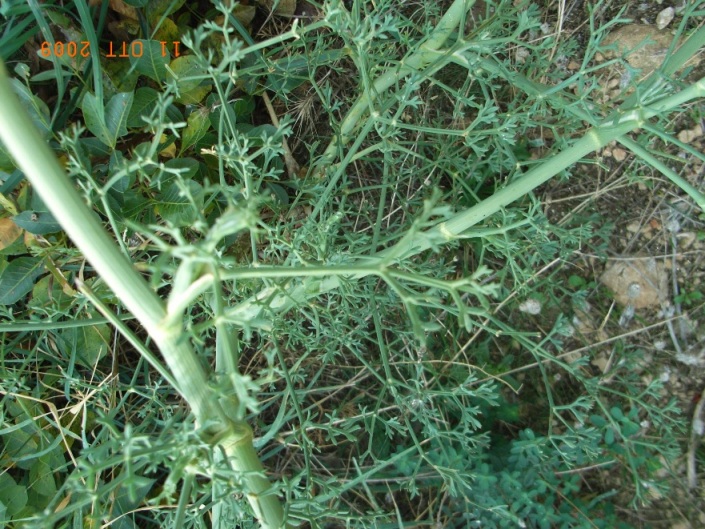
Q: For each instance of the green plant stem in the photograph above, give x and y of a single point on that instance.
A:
(594, 139)
(273, 300)
(239, 452)
(87, 23)
(42, 169)
(419, 60)
(126, 332)
(657, 164)
(466, 57)
(48, 179)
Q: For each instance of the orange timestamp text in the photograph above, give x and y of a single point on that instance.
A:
(114, 50)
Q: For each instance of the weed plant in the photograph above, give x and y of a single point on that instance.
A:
(353, 323)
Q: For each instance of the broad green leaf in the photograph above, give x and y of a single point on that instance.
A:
(145, 100)
(288, 73)
(132, 493)
(21, 446)
(93, 116)
(576, 281)
(92, 147)
(39, 114)
(7, 164)
(216, 108)
(291, 71)
(91, 343)
(16, 247)
(38, 223)
(245, 14)
(629, 428)
(157, 8)
(51, 75)
(181, 168)
(118, 162)
(119, 75)
(616, 412)
(41, 477)
(103, 292)
(58, 18)
(244, 106)
(189, 75)
(112, 124)
(133, 205)
(176, 208)
(279, 193)
(143, 104)
(169, 33)
(153, 60)
(37, 109)
(47, 292)
(258, 134)
(186, 167)
(18, 278)
(196, 127)
(12, 495)
(284, 8)
(5, 202)
(598, 420)
(116, 113)
(232, 221)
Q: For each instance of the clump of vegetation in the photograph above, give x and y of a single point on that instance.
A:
(262, 266)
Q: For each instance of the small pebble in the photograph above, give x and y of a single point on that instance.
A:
(665, 375)
(698, 426)
(521, 55)
(531, 306)
(688, 135)
(634, 227)
(619, 154)
(665, 17)
(673, 225)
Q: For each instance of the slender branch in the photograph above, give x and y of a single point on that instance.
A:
(48, 179)
(696, 432)
(278, 299)
(423, 56)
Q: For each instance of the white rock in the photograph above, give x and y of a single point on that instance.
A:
(665, 17)
(691, 360)
(698, 426)
(521, 55)
(665, 375)
(531, 306)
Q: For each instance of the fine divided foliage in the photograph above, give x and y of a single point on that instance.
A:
(266, 267)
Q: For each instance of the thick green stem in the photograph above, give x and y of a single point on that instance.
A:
(241, 455)
(278, 299)
(272, 301)
(419, 60)
(81, 224)
(48, 179)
